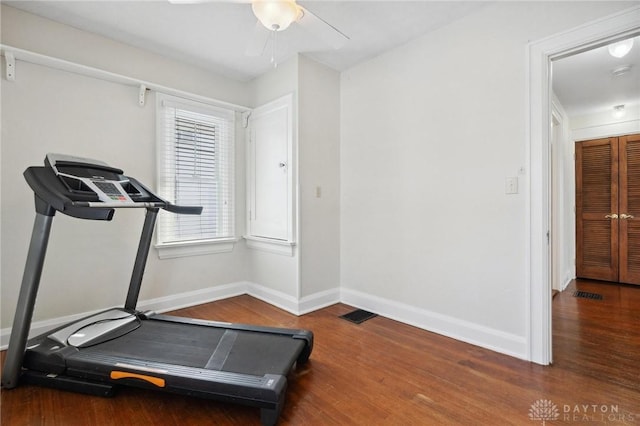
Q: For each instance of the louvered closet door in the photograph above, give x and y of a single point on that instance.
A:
(596, 209)
(629, 206)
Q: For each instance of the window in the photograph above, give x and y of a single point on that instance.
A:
(195, 167)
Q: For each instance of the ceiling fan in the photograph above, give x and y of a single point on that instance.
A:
(275, 16)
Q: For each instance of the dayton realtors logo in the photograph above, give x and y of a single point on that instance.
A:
(545, 410)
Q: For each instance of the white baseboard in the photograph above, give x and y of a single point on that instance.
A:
(455, 328)
(495, 340)
(273, 297)
(319, 300)
(198, 297)
(161, 304)
(292, 305)
(192, 298)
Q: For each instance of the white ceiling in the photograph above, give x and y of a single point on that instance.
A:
(214, 35)
(584, 83)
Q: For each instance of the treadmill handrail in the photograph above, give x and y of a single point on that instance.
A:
(170, 207)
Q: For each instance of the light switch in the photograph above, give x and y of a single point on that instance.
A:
(318, 192)
(511, 185)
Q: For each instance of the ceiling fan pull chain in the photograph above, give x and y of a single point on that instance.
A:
(274, 47)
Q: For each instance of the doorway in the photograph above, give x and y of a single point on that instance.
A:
(596, 96)
(541, 54)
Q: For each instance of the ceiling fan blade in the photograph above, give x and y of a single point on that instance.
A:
(188, 1)
(322, 29)
(206, 1)
(258, 40)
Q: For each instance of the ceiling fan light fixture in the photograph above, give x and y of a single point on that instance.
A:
(276, 15)
(619, 111)
(620, 48)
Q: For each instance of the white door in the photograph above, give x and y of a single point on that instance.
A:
(269, 171)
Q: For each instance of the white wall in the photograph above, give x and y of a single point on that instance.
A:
(47, 110)
(30, 32)
(319, 157)
(429, 132)
(277, 272)
(314, 266)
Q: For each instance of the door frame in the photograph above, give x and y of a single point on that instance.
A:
(540, 54)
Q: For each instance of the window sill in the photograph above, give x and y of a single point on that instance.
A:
(195, 248)
(270, 245)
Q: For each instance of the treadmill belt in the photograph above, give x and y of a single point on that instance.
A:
(213, 348)
(260, 353)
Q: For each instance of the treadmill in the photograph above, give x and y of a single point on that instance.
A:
(234, 363)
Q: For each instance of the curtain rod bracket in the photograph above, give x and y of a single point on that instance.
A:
(10, 66)
(141, 95)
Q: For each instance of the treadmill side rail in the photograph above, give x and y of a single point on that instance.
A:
(67, 383)
(103, 322)
(258, 391)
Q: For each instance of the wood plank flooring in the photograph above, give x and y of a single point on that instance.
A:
(382, 372)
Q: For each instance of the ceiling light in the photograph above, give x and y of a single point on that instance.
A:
(618, 111)
(276, 15)
(621, 48)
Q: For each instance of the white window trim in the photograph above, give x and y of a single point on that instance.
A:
(286, 248)
(196, 247)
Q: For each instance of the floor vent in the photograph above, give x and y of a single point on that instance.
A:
(587, 295)
(358, 316)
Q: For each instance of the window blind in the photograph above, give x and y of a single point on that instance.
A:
(195, 167)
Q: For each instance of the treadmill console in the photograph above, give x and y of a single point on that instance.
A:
(84, 177)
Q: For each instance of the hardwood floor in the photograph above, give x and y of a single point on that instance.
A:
(385, 372)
